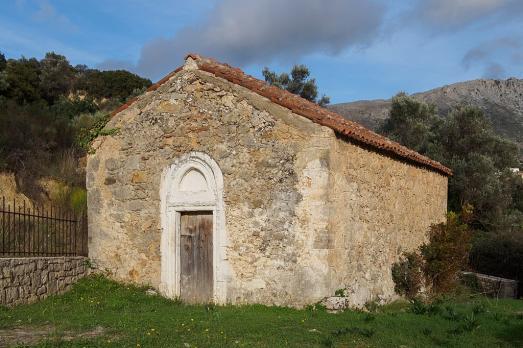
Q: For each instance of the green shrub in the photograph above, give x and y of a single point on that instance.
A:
(340, 293)
(78, 199)
(438, 262)
(418, 307)
(407, 274)
(447, 252)
(90, 127)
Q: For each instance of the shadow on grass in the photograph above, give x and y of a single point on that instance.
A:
(512, 334)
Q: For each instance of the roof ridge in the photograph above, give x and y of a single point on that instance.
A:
(303, 107)
(314, 112)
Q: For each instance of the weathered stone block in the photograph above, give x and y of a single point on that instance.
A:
(11, 294)
(139, 177)
(41, 290)
(335, 303)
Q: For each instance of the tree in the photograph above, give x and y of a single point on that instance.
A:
(38, 109)
(465, 142)
(56, 77)
(3, 76)
(480, 160)
(3, 62)
(118, 84)
(297, 83)
(4, 86)
(411, 123)
(23, 78)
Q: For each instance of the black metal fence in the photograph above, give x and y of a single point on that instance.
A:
(27, 230)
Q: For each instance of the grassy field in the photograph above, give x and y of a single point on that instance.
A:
(102, 313)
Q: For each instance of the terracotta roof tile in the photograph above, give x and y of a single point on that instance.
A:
(309, 110)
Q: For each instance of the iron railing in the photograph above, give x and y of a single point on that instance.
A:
(27, 230)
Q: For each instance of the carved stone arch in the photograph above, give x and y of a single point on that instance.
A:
(193, 182)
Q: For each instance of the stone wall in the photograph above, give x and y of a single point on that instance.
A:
(306, 213)
(26, 280)
(491, 286)
(380, 208)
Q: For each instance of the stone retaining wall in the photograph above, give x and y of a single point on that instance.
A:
(26, 280)
(490, 285)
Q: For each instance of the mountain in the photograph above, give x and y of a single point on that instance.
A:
(501, 100)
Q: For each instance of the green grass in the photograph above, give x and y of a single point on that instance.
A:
(133, 319)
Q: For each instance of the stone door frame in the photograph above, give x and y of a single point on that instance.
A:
(175, 200)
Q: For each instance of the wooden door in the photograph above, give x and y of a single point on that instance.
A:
(196, 280)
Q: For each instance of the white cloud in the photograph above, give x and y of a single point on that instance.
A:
(48, 13)
(495, 55)
(454, 14)
(243, 32)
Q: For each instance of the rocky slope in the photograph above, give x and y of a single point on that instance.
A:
(501, 100)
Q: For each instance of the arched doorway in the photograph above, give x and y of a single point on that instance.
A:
(194, 241)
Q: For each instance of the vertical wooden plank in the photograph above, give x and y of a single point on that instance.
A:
(208, 243)
(205, 278)
(186, 257)
(195, 260)
(199, 289)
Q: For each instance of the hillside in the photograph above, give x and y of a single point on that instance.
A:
(49, 109)
(501, 100)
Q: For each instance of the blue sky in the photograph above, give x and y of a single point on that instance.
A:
(355, 49)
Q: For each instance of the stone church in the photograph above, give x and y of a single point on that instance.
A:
(215, 187)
